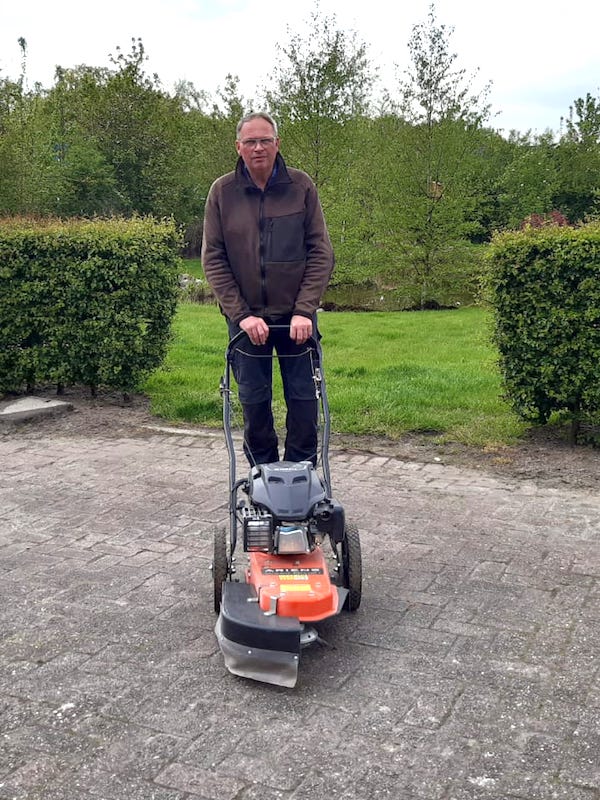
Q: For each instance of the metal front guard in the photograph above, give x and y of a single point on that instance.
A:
(263, 648)
(259, 646)
(268, 666)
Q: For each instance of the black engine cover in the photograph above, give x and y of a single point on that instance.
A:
(288, 489)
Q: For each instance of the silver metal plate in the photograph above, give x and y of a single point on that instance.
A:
(267, 666)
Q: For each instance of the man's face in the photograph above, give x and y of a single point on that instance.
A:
(258, 146)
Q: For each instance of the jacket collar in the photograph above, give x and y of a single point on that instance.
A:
(279, 174)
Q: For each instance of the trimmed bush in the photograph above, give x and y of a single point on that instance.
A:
(85, 302)
(545, 286)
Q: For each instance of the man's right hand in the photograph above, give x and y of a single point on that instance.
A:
(256, 328)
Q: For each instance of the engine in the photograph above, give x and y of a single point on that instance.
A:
(288, 509)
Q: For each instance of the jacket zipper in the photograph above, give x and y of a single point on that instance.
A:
(263, 242)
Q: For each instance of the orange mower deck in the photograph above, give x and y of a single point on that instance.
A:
(294, 586)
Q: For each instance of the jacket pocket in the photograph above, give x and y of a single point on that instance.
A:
(286, 242)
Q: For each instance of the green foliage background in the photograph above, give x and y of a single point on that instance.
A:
(414, 182)
(411, 181)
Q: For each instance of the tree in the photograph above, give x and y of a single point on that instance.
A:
(425, 199)
(26, 156)
(529, 183)
(11, 173)
(217, 130)
(320, 96)
(585, 127)
(323, 82)
(490, 157)
(136, 133)
(84, 180)
(116, 138)
(207, 150)
(578, 161)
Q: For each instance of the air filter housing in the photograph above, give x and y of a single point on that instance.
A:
(258, 531)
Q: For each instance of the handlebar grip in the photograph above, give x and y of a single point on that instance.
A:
(241, 335)
(312, 343)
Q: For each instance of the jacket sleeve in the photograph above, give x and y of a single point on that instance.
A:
(319, 257)
(216, 264)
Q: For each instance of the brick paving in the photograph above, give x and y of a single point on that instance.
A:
(470, 672)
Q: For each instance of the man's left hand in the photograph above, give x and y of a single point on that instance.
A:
(300, 328)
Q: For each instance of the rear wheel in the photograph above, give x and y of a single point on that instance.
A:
(219, 565)
(352, 566)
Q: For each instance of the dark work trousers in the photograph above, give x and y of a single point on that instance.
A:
(253, 372)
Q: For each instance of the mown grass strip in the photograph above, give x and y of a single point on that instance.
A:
(387, 374)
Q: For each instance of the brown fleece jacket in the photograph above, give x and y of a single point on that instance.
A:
(268, 253)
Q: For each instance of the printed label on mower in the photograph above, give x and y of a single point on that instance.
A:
(292, 573)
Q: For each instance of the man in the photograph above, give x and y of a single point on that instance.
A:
(267, 255)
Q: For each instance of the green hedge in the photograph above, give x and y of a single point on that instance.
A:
(545, 286)
(85, 302)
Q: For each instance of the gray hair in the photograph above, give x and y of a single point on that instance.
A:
(256, 115)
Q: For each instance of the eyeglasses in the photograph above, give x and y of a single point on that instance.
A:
(252, 143)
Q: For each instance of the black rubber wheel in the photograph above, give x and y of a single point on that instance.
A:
(219, 565)
(352, 566)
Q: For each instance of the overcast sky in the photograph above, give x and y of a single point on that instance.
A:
(539, 56)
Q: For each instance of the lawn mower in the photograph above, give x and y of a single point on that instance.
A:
(302, 558)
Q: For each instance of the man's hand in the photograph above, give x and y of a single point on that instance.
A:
(256, 328)
(300, 328)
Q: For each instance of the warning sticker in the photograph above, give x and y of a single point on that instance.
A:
(296, 587)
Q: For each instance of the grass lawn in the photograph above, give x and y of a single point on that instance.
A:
(387, 374)
(193, 266)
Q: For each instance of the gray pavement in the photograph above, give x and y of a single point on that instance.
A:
(470, 671)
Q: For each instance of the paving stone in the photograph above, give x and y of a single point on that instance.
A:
(470, 670)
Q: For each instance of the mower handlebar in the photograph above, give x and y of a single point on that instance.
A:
(241, 335)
